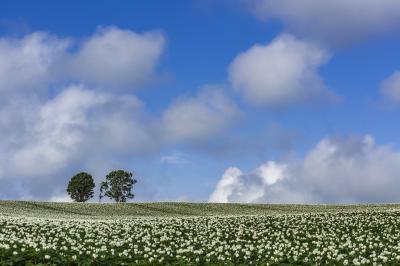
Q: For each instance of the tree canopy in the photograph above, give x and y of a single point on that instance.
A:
(118, 186)
(80, 187)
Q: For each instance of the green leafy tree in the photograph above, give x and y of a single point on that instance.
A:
(118, 186)
(80, 187)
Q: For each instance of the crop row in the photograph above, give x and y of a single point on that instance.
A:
(366, 237)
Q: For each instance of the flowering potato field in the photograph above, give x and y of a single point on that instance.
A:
(198, 234)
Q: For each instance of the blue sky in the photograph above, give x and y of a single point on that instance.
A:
(228, 101)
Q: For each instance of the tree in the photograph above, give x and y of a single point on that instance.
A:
(118, 186)
(80, 187)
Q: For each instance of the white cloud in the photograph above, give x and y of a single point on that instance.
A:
(89, 126)
(236, 186)
(197, 118)
(280, 73)
(110, 58)
(28, 63)
(337, 170)
(390, 88)
(227, 184)
(57, 134)
(70, 131)
(113, 57)
(44, 142)
(335, 22)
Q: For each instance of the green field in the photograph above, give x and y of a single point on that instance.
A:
(198, 234)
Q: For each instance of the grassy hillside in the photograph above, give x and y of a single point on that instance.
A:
(110, 210)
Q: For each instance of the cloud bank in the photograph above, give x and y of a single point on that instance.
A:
(334, 22)
(110, 58)
(67, 105)
(336, 170)
(280, 73)
(44, 143)
(29, 63)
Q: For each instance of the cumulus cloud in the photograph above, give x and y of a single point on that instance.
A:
(86, 126)
(194, 119)
(336, 170)
(236, 186)
(335, 22)
(280, 73)
(65, 133)
(110, 58)
(28, 63)
(115, 58)
(390, 88)
(65, 107)
(56, 134)
(46, 140)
